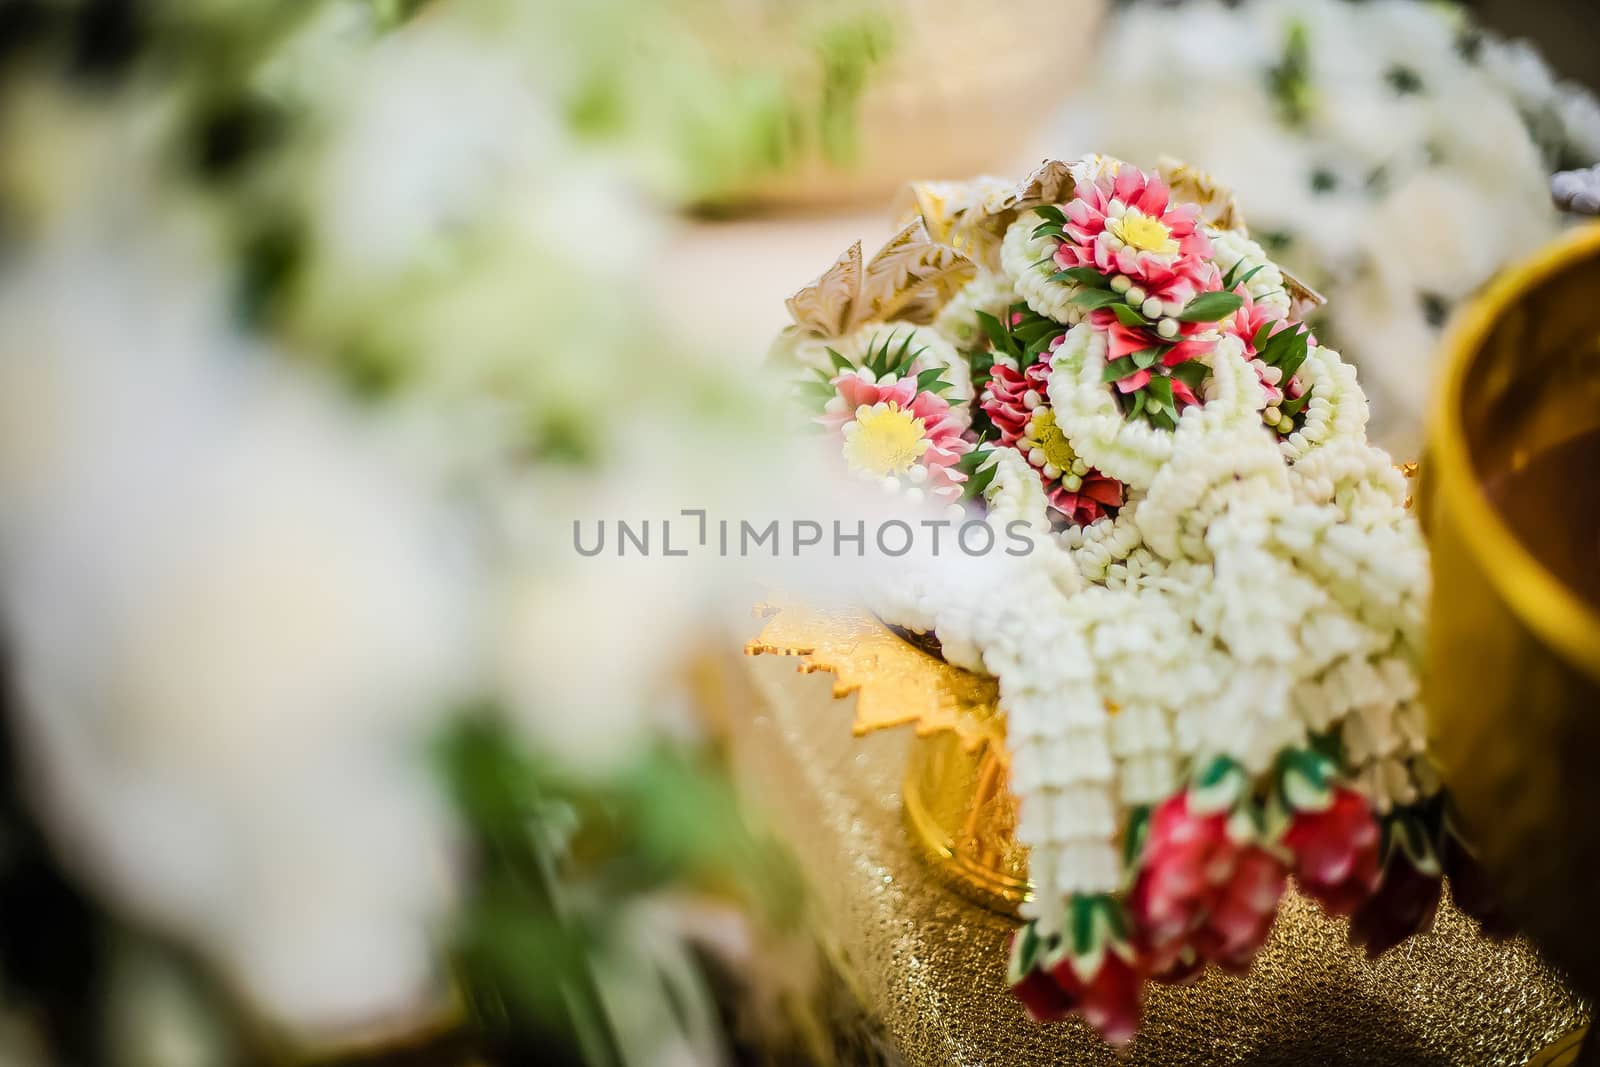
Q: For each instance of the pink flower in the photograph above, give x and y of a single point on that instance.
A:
(1202, 896)
(1336, 851)
(1079, 492)
(1127, 224)
(1248, 324)
(895, 434)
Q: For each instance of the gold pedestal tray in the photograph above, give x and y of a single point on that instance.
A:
(930, 963)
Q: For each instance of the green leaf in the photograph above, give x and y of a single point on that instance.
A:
(1216, 786)
(905, 357)
(1293, 406)
(1025, 953)
(1127, 315)
(1051, 213)
(1192, 373)
(1087, 277)
(929, 381)
(1290, 363)
(1160, 390)
(1118, 369)
(1147, 357)
(840, 364)
(1134, 834)
(1095, 298)
(1031, 331)
(1263, 334)
(999, 336)
(980, 482)
(1211, 307)
(1138, 406)
(1037, 347)
(974, 459)
(1257, 269)
(1305, 779)
(1047, 229)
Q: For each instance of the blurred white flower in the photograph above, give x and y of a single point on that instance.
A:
(233, 623)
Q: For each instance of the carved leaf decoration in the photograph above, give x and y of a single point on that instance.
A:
(910, 267)
(1051, 183)
(896, 682)
(951, 212)
(1218, 205)
(1303, 299)
(972, 217)
(909, 277)
(823, 306)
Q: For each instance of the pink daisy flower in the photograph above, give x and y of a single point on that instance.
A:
(1127, 224)
(1253, 324)
(1018, 403)
(898, 436)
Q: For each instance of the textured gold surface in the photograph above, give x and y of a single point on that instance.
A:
(1513, 685)
(931, 964)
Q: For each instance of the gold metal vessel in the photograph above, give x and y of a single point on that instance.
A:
(1513, 681)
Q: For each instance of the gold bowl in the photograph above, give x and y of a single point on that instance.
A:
(1513, 680)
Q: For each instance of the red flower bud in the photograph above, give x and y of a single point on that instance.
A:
(1336, 852)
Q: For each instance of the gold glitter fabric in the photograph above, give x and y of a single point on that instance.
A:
(930, 966)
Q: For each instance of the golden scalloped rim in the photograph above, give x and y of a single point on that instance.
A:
(895, 682)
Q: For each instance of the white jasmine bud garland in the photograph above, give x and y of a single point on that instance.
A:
(1027, 261)
(990, 292)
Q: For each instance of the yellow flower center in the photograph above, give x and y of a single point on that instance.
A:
(886, 440)
(1052, 442)
(1143, 233)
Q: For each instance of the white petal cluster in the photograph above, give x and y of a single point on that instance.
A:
(989, 292)
(1337, 410)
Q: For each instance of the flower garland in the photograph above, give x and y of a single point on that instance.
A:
(1210, 668)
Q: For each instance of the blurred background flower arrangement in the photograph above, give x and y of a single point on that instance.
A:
(1404, 154)
(317, 334)
(319, 322)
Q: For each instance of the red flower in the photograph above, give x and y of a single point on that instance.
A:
(1110, 999)
(1336, 851)
(1405, 902)
(1041, 995)
(1078, 491)
(1470, 889)
(1202, 896)
(1090, 970)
